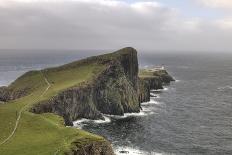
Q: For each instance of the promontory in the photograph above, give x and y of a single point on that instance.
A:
(38, 108)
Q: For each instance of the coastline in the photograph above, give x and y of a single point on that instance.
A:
(121, 67)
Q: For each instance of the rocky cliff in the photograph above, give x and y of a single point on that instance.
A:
(117, 89)
(92, 148)
(152, 79)
(106, 84)
(114, 91)
(7, 94)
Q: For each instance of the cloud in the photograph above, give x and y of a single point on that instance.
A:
(225, 23)
(106, 24)
(225, 4)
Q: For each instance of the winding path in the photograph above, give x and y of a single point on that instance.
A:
(49, 85)
(21, 110)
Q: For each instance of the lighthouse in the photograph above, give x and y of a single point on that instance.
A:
(162, 67)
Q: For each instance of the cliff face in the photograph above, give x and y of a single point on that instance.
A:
(7, 94)
(152, 80)
(114, 91)
(147, 84)
(163, 75)
(93, 148)
(4, 94)
(106, 84)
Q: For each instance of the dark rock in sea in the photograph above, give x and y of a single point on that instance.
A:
(124, 152)
(153, 95)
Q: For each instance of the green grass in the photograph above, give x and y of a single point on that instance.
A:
(143, 73)
(44, 134)
(63, 79)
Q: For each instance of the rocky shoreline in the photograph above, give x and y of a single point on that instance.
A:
(120, 88)
(117, 90)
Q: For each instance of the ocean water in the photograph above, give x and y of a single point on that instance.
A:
(14, 63)
(190, 116)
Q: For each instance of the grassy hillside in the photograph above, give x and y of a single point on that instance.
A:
(44, 134)
(152, 73)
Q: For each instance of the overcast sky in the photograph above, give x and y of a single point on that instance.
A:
(166, 25)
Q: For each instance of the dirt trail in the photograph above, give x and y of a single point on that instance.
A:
(21, 110)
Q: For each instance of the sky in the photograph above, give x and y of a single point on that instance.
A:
(151, 25)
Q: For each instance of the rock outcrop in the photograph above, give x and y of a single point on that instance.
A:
(117, 89)
(152, 80)
(93, 148)
(4, 94)
(7, 94)
(163, 75)
(114, 91)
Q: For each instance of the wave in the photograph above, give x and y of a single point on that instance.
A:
(156, 90)
(228, 87)
(159, 90)
(81, 122)
(144, 112)
(126, 115)
(153, 95)
(151, 102)
(133, 151)
(166, 89)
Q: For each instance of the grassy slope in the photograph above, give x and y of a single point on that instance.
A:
(44, 134)
(143, 73)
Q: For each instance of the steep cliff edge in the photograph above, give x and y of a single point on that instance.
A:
(152, 79)
(112, 85)
(89, 88)
(93, 148)
(112, 91)
(7, 94)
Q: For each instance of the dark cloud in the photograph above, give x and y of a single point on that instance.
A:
(105, 24)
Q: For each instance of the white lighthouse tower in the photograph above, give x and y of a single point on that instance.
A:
(162, 67)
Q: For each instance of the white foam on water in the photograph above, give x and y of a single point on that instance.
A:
(155, 95)
(144, 112)
(81, 122)
(151, 102)
(156, 90)
(133, 151)
(228, 87)
(148, 111)
(141, 113)
(107, 120)
(166, 89)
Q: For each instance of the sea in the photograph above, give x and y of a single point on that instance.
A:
(191, 116)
